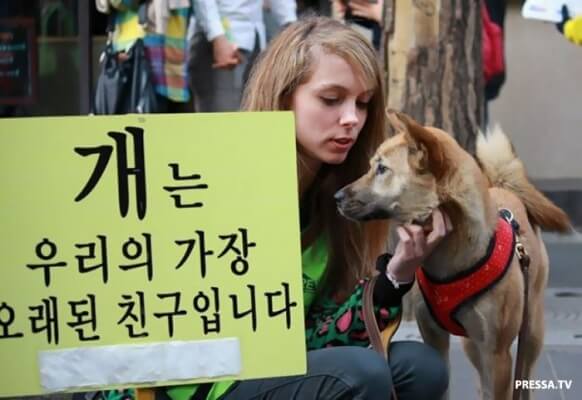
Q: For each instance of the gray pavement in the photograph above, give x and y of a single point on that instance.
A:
(565, 259)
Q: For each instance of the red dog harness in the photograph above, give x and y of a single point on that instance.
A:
(444, 298)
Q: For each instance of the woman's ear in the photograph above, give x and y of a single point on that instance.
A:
(426, 141)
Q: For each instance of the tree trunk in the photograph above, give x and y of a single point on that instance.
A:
(432, 59)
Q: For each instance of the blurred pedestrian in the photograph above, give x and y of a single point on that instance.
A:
(163, 26)
(229, 36)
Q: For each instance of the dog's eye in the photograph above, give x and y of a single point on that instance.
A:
(381, 169)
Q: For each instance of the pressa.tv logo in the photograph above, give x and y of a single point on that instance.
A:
(544, 384)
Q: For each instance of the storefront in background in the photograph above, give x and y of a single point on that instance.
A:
(47, 63)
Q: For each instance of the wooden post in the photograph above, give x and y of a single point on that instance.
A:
(432, 59)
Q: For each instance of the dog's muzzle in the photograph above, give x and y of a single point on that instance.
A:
(340, 196)
(355, 209)
(340, 200)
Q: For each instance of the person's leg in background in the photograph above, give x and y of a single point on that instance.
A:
(252, 57)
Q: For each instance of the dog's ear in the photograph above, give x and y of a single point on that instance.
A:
(427, 142)
(394, 121)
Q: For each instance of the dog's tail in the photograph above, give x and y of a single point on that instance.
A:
(505, 170)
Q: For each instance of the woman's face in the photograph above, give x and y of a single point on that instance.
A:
(330, 110)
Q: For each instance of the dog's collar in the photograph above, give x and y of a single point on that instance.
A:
(445, 297)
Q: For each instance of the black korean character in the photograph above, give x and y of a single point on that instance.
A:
(132, 250)
(81, 259)
(139, 317)
(177, 197)
(46, 319)
(201, 250)
(123, 170)
(170, 315)
(240, 265)
(84, 313)
(201, 303)
(287, 307)
(252, 311)
(46, 250)
(6, 319)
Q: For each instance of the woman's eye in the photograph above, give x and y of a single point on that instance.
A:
(381, 169)
(330, 101)
(363, 105)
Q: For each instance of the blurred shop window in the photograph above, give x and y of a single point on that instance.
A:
(58, 58)
(53, 55)
(18, 57)
(56, 21)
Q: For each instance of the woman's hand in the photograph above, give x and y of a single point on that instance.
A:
(365, 9)
(415, 245)
(226, 55)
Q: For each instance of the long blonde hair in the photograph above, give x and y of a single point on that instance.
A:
(283, 66)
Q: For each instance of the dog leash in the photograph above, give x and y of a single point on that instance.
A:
(524, 261)
(377, 338)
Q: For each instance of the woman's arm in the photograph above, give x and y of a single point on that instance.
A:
(331, 324)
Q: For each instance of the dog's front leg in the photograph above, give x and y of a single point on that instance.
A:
(489, 373)
(488, 349)
(494, 371)
(434, 336)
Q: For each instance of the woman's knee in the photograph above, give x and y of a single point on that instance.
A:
(419, 365)
(363, 370)
(370, 369)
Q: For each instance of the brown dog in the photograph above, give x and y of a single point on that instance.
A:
(421, 168)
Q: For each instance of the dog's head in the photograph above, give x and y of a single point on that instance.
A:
(402, 181)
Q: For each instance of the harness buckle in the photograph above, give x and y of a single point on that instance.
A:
(522, 255)
(506, 215)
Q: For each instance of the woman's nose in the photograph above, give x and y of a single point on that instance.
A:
(349, 116)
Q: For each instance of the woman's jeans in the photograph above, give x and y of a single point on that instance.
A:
(416, 370)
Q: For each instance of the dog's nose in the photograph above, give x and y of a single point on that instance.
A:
(339, 196)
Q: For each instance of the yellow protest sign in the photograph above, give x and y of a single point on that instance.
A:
(148, 248)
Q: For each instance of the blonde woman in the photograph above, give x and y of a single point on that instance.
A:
(328, 75)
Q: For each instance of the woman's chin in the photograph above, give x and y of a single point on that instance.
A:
(335, 159)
